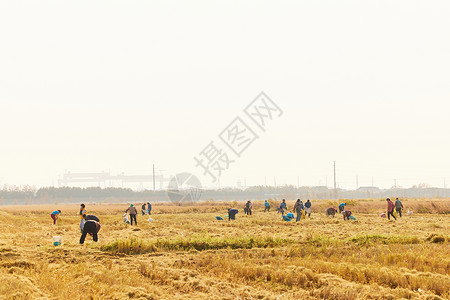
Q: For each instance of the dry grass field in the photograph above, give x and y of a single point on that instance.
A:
(185, 253)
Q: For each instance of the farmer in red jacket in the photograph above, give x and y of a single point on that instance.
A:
(390, 209)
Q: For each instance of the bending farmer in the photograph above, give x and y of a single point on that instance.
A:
(91, 227)
(55, 215)
(232, 214)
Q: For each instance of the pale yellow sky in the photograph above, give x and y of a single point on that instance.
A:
(90, 86)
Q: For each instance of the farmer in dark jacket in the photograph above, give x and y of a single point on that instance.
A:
(248, 207)
(398, 207)
(232, 214)
(91, 218)
(133, 212)
(92, 227)
(298, 207)
(149, 208)
(308, 208)
(331, 211)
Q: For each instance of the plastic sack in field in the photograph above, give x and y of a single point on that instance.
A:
(303, 215)
(383, 215)
(150, 219)
(57, 240)
(290, 215)
(352, 218)
(410, 212)
(125, 219)
(219, 218)
(286, 218)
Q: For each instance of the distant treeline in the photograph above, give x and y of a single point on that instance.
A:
(31, 195)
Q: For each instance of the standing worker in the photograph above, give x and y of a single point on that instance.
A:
(248, 207)
(341, 206)
(398, 207)
(82, 216)
(283, 207)
(149, 208)
(298, 207)
(143, 209)
(390, 209)
(133, 212)
(55, 215)
(92, 227)
(308, 208)
(266, 206)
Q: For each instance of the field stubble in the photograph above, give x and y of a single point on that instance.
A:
(187, 253)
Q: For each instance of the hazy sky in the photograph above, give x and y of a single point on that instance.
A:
(90, 86)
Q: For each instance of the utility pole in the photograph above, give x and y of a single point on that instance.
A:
(395, 183)
(154, 186)
(275, 181)
(298, 182)
(334, 172)
(357, 185)
(265, 180)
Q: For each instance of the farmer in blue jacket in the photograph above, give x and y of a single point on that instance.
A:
(283, 207)
(266, 206)
(55, 215)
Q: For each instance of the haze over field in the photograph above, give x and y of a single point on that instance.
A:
(119, 85)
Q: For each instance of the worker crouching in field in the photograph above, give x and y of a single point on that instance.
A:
(232, 214)
(92, 227)
(89, 218)
(55, 215)
(331, 211)
(346, 214)
(92, 218)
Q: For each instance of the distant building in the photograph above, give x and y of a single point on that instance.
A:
(370, 189)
